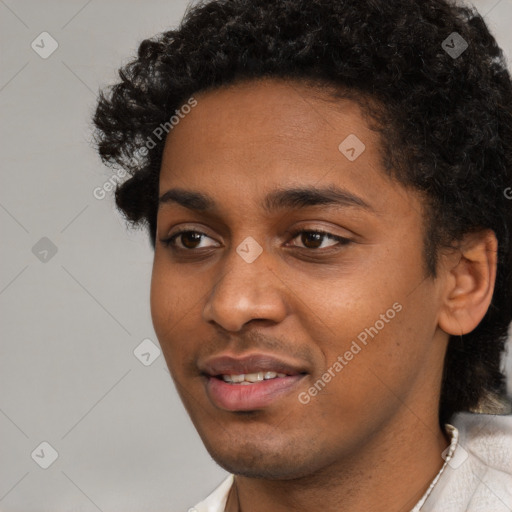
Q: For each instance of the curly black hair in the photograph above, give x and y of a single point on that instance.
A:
(446, 110)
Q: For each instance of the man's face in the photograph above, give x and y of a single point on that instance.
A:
(307, 301)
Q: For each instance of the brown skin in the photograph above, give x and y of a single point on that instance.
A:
(370, 440)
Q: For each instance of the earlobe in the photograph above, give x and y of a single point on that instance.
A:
(470, 280)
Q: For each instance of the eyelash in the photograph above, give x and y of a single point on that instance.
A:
(169, 242)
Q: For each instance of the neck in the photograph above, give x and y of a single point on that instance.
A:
(404, 460)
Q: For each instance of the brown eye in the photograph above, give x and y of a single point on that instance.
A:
(313, 239)
(189, 240)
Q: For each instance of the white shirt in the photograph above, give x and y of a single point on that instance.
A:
(476, 475)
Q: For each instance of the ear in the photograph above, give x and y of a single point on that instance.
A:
(470, 275)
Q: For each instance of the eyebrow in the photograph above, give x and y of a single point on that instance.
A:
(279, 199)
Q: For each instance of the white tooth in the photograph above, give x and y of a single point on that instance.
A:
(281, 374)
(254, 377)
(227, 378)
(245, 383)
(237, 378)
(270, 375)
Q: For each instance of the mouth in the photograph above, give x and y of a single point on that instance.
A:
(250, 378)
(249, 383)
(247, 395)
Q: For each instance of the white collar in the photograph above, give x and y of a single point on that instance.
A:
(476, 475)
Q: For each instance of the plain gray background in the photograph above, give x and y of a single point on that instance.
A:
(72, 320)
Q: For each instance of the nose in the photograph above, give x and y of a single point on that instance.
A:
(246, 291)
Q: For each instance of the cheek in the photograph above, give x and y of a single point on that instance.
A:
(170, 302)
(371, 332)
(160, 301)
(380, 358)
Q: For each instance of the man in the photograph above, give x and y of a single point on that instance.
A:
(324, 184)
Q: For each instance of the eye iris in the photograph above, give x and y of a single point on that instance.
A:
(190, 235)
(315, 236)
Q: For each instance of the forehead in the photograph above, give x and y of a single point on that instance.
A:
(298, 121)
(242, 141)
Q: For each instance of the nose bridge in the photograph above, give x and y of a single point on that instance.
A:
(247, 289)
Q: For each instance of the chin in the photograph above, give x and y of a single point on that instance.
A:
(261, 469)
(256, 461)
